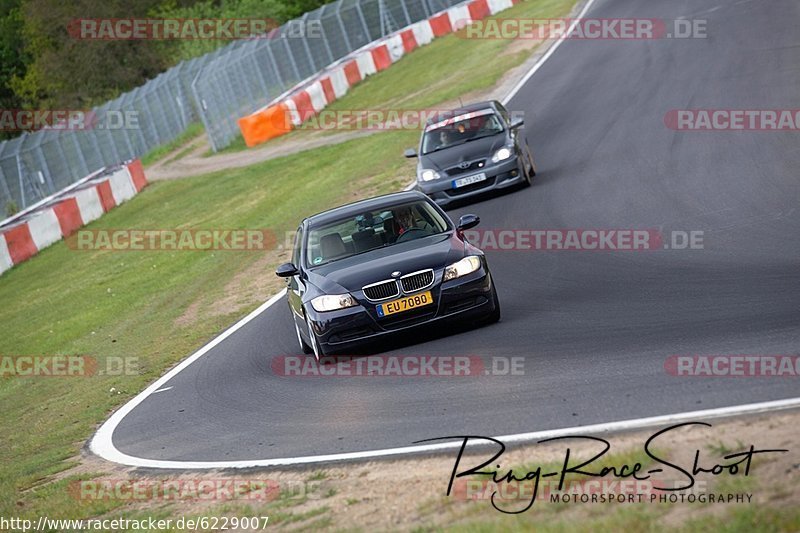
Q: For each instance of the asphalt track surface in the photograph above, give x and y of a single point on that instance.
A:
(594, 328)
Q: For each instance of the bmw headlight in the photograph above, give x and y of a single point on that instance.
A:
(332, 302)
(501, 155)
(468, 265)
(428, 175)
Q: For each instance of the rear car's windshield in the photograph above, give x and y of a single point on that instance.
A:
(460, 129)
(370, 230)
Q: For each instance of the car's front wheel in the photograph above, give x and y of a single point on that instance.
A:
(303, 345)
(315, 346)
(530, 171)
(494, 316)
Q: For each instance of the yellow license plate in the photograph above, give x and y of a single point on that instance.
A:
(405, 304)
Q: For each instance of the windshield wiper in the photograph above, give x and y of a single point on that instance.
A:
(481, 136)
(443, 147)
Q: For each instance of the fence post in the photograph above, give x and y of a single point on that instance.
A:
(80, 153)
(23, 199)
(43, 162)
(341, 25)
(291, 60)
(92, 134)
(6, 190)
(257, 68)
(201, 108)
(61, 153)
(305, 44)
(325, 38)
(363, 21)
(275, 66)
(405, 13)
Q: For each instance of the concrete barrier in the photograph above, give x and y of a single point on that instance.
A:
(59, 219)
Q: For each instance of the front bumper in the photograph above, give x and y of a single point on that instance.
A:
(498, 176)
(465, 299)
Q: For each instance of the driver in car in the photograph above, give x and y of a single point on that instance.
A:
(405, 221)
(446, 137)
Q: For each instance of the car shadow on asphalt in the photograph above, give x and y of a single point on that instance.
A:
(404, 340)
(480, 198)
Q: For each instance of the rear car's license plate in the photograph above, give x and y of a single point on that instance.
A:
(469, 180)
(405, 304)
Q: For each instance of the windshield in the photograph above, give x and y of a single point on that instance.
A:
(460, 129)
(370, 230)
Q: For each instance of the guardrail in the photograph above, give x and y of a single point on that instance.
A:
(25, 235)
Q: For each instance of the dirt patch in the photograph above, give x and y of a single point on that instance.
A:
(254, 284)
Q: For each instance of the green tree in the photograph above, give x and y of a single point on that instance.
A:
(12, 58)
(66, 72)
(43, 66)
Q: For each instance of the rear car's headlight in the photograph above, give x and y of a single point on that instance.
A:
(428, 175)
(468, 265)
(501, 155)
(332, 302)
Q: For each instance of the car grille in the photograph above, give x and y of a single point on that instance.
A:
(382, 290)
(473, 166)
(408, 318)
(417, 280)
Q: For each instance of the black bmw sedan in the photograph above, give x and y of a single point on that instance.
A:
(470, 151)
(381, 266)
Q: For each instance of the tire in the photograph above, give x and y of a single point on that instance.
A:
(303, 344)
(316, 349)
(528, 178)
(494, 316)
(532, 171)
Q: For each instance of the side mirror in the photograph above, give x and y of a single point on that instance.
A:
(468, 221)
(286, 270)
(517, 124)
(410, 152)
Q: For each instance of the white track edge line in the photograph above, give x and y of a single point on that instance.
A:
(102, 443)
(112, 454)
(547, 54)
